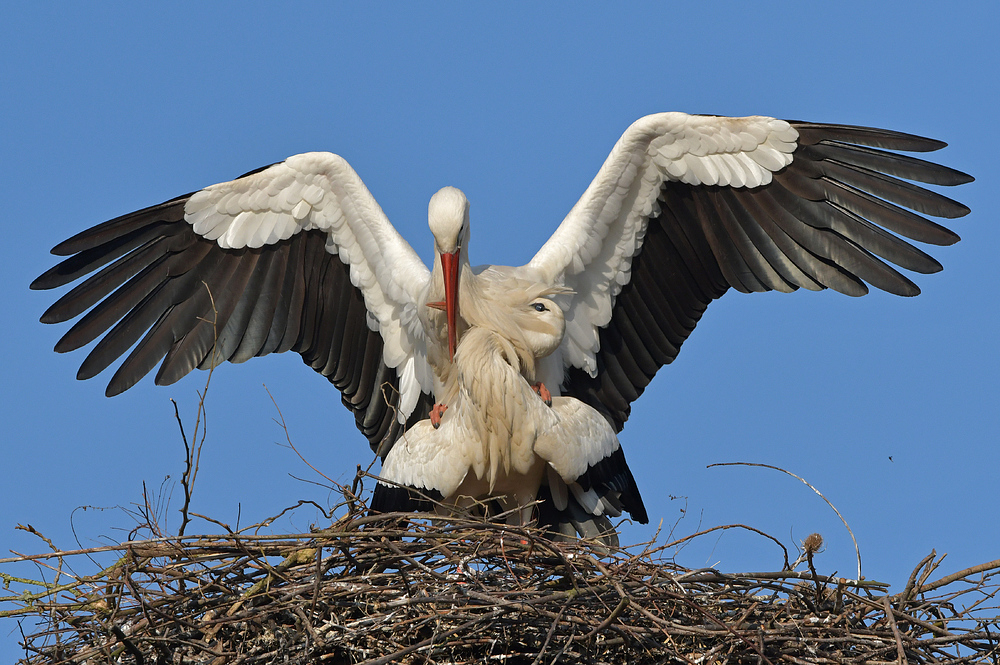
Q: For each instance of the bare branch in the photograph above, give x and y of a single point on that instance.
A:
(857, 550)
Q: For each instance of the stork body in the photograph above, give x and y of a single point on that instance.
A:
(500, 440)
(299, 257)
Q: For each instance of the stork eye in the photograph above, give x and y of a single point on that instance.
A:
(539, 307)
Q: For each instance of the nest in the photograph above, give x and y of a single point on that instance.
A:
(406, 588)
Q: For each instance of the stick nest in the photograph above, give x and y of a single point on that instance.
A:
(406, 589)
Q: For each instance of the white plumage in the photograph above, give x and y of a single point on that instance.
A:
(319, 190)
(299, 256)
(498, 438)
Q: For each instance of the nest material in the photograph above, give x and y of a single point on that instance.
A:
(461, 591)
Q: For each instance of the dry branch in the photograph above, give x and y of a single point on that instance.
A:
(456, 590)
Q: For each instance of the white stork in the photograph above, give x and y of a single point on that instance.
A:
(299, 256)
(500, 439)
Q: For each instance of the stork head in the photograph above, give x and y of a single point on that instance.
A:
(542, 326)
(527, 314)
(448, 217)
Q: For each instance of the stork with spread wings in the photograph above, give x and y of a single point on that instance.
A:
(299, 257)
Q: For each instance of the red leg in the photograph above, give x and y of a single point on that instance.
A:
(436, 412)
(543, 392)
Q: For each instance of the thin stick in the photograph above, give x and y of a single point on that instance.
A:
(900, 654)
(981, 568)
(857, 550)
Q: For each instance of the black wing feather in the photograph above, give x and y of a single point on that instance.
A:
(890, 163)
(184, 302)
(828, 220)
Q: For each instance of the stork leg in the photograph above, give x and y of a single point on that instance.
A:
(543, 392)
(436, 412)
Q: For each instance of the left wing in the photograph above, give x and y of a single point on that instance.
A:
(433, 461)
(686, 207)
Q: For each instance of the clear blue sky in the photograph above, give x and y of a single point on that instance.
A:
(108, 109)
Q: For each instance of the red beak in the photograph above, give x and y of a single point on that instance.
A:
(449, 266)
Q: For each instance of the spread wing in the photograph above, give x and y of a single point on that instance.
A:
(297, 256)
(686, 207)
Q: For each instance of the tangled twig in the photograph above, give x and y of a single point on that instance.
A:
(425, 588)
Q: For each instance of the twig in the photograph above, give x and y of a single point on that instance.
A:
(724, 527)
(900, 654)
(954, 577)
(192, 449)
(910, 583)
(857, 550)
(288, 439)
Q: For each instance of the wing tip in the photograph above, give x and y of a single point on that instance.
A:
(49, 317)
(960, 210)
(117, 385)
(50, 279)
(961, 177)
(67, 247)
(863, 135)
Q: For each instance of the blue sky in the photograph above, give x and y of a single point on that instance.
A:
(888, 405)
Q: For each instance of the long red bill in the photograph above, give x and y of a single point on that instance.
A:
(449, 266)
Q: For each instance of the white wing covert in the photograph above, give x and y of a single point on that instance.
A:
(578, 440)
(429, 460)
